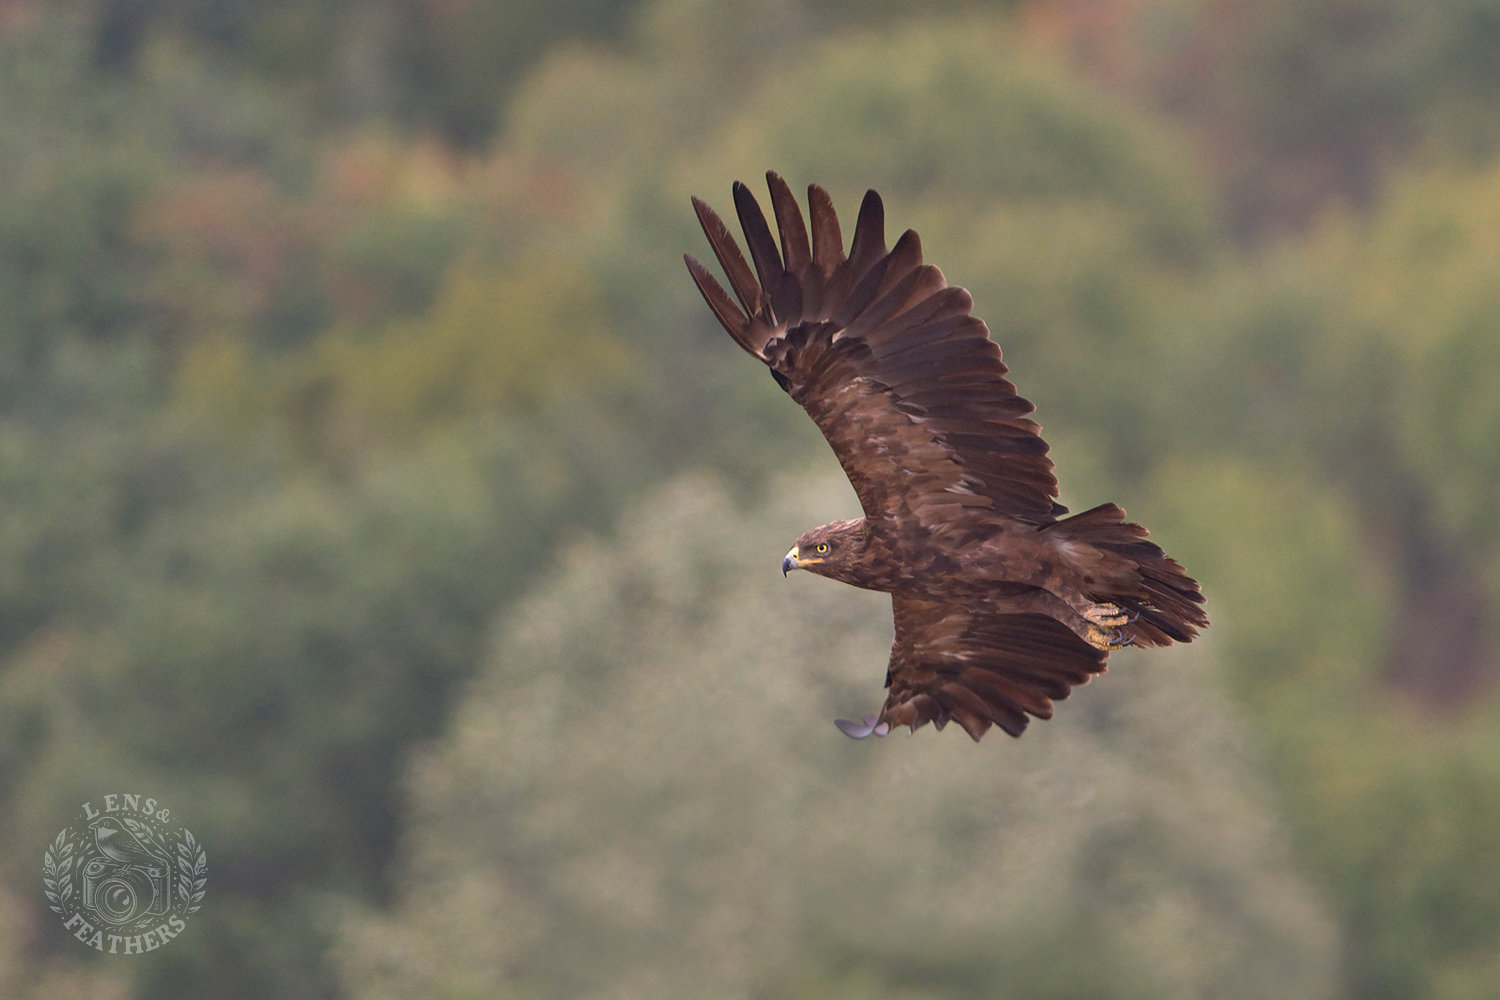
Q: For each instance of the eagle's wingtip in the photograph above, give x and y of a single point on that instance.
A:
(859, 730)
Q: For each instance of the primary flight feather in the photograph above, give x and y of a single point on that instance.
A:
(1001, 604)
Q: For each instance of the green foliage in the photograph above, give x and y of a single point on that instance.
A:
(1400, 815)
(906, 108)
(73, 161)
(1344, 548)
(1432, 352)
(1298, 600)
(643, 793)
(1070, 220)
(267, 646)
(508, 339)
(440, 67)
(1366, 350)
(88, 160)
(289, 412)
(1300, 104)
(458, 67)
(1390, 380)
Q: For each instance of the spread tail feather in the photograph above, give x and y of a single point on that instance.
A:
(1166, 603)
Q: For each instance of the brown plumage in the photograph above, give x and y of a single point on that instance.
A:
(1001, 604)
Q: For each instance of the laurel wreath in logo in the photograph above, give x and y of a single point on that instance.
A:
(57, 866)
(192, 865)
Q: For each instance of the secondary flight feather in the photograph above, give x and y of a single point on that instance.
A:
(1002, 604)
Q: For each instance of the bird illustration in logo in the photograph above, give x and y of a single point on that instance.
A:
(125, 847)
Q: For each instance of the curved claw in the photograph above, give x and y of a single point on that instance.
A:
(1116, 642)
(858, 731)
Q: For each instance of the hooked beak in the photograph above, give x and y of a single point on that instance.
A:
(790, 562)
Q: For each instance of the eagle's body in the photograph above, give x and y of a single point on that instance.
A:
(1001, 605)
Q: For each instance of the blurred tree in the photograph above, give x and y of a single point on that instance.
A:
(1371, 351)
(443, 67)
(1401, 820)
(1297, 105)
(643, 794)
(287, 410)
(74, 161)
(1424, 377)
(1349, 542)
(1072, 220)
(24, 978)
(208, 612)
(93, 166)
(263, 647)
(508, 339)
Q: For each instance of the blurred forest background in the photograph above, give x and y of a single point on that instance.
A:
(376, 491)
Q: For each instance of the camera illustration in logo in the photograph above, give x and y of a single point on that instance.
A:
(129, 880)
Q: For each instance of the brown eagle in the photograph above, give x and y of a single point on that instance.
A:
(1001, 603)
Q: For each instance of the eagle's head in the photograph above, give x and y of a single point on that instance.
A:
(834, 550)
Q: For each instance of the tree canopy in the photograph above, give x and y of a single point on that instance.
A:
(346, 353)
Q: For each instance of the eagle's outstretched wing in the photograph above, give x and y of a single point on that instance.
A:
(950, 663)
(903, 382)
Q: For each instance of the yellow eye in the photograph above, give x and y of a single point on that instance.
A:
(822, 547)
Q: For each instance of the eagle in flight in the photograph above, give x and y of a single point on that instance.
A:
(1001, 602)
